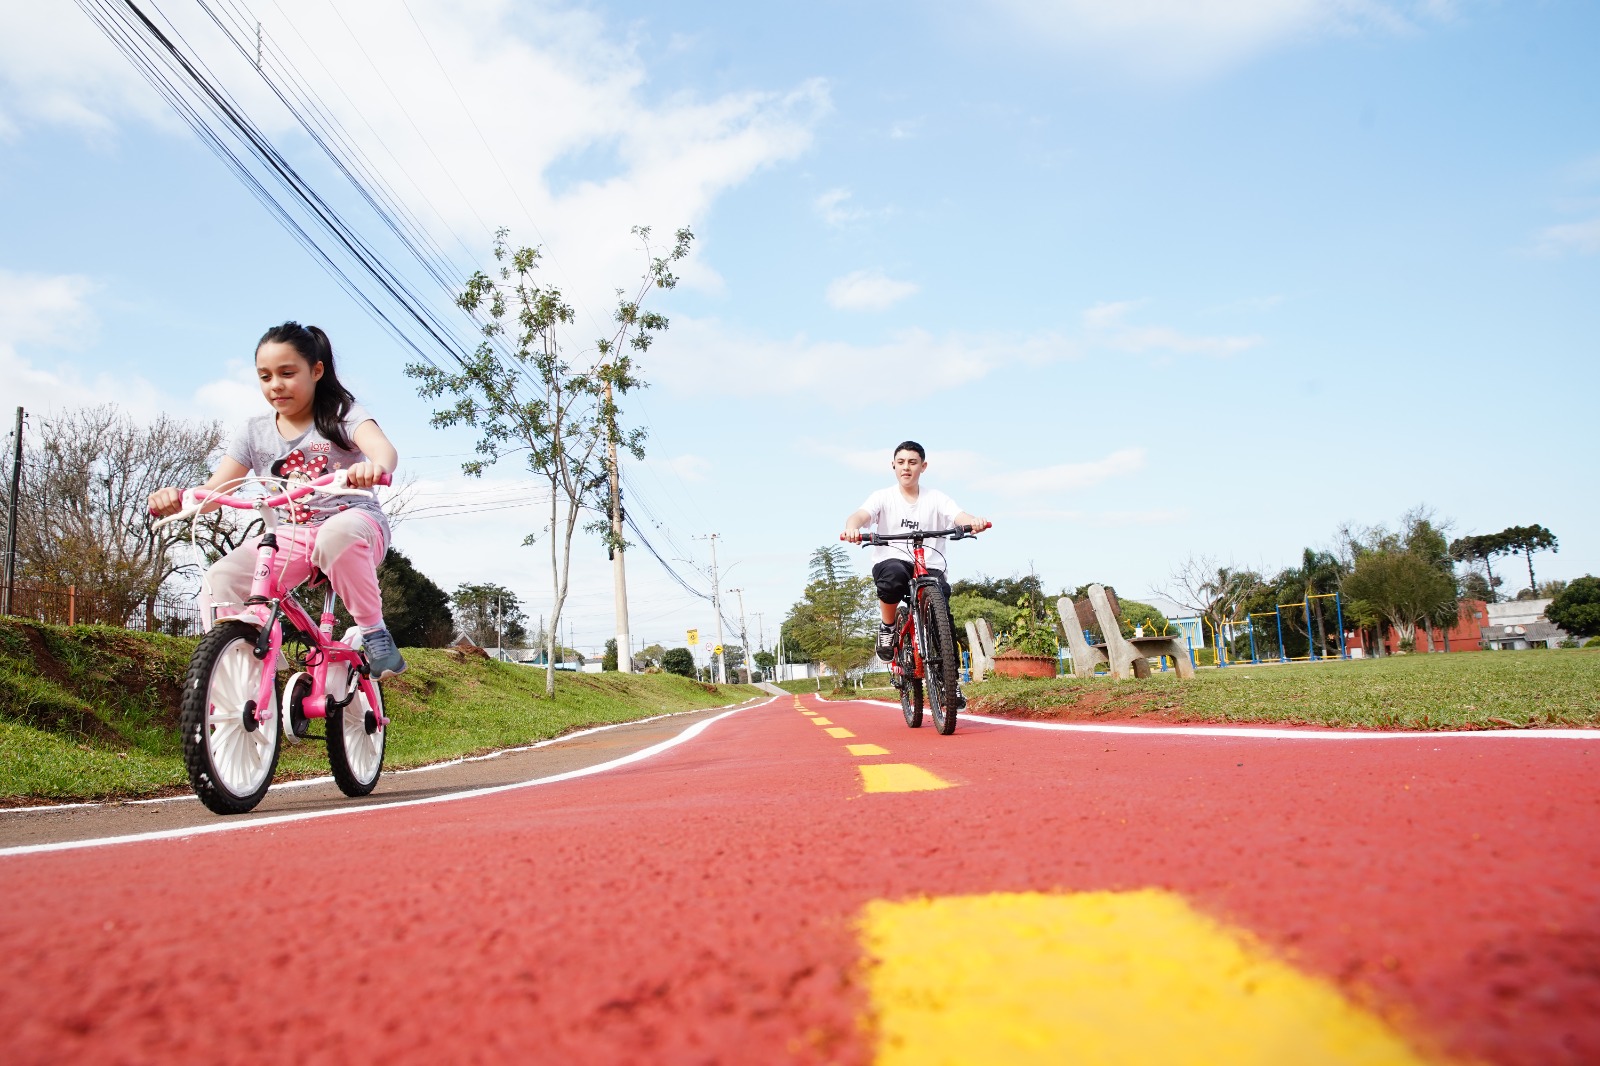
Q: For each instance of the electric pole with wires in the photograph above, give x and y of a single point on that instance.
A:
(721, 669)
(744, 637)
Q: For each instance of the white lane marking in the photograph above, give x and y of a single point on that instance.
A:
(305, 816)
(1266, 733)
(305, 782)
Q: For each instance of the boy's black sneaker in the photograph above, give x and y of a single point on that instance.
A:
(885, 642)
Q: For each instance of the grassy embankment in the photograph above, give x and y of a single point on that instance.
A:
(1461, 690)
(92, 712)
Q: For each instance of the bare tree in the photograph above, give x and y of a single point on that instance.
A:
(1215, 592)
(82, 516)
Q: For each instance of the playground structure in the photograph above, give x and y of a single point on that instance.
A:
(1308, 630)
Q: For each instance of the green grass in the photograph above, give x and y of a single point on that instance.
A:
(1462, 690)
(804, 685)
(92, 712)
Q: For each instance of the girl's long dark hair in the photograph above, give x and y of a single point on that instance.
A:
(332, 401)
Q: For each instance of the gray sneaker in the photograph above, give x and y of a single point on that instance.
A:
(381, 653)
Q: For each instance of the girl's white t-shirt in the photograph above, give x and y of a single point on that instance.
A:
(892, 513)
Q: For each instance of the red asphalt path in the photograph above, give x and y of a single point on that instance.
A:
(700, 906)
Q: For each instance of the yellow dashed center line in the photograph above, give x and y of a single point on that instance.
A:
(839, 733)
(821, 721)
(865, 749)
(899, 777)
(1098, 977)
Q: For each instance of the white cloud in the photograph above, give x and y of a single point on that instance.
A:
(1107, 327)
(44, 318)
(549, 87)
(706, 354)
(1178, 39)
(1575, 238)
(686, 467)
(867, 290)
(835, 209)
(1066, 477)
(233, 397)
(47, 310)
(974, 469)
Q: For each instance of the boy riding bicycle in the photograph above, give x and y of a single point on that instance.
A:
(903, 507)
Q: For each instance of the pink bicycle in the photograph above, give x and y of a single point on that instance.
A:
(230, 716)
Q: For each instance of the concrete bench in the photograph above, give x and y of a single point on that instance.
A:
(1125, 656)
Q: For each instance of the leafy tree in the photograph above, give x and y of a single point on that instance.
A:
(488, 614)
(652, 654)
(970, 606)
(765, 660)
(1482, 547)
(1529, 539)
(1401, 588)
(1576, 608)
(790, 648)
(835, 621)
(82, 514)
(531, 399)
(416, 610)
(678, 661)
(608, 662)
(1004, 590)
(1474, 586)
(1135, 613)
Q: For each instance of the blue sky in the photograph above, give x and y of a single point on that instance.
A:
(1150, 280)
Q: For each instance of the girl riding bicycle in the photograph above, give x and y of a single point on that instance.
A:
(316, 428)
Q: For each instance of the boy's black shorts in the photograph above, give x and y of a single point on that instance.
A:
(893, 578)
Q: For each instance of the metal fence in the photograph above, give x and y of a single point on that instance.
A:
(72, 606)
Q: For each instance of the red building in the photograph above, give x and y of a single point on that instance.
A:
(1465, 635)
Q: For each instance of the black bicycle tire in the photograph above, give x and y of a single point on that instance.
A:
(339, 759)
(942, 659)
(203, 777)
(911, 701)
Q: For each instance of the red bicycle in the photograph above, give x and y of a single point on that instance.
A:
(925, 649)
(230, 716)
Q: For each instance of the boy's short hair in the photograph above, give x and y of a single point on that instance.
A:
(910, 446)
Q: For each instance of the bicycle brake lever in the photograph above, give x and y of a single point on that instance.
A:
(340, 487)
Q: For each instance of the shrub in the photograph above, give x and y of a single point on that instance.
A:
(678, 661)
(1577, 608)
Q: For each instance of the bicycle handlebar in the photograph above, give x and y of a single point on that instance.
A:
(199, 497)
(958, 533)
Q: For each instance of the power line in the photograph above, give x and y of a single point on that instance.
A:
(181, 78)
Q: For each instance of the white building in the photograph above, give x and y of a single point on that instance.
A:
(1518, 625)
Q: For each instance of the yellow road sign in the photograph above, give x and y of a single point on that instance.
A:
(694, 637)
(717, 650)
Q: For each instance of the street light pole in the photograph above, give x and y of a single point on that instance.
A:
(11, 518)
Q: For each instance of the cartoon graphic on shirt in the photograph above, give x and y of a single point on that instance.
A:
(296, 468)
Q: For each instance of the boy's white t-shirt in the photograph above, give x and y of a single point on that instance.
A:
(892, 513)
